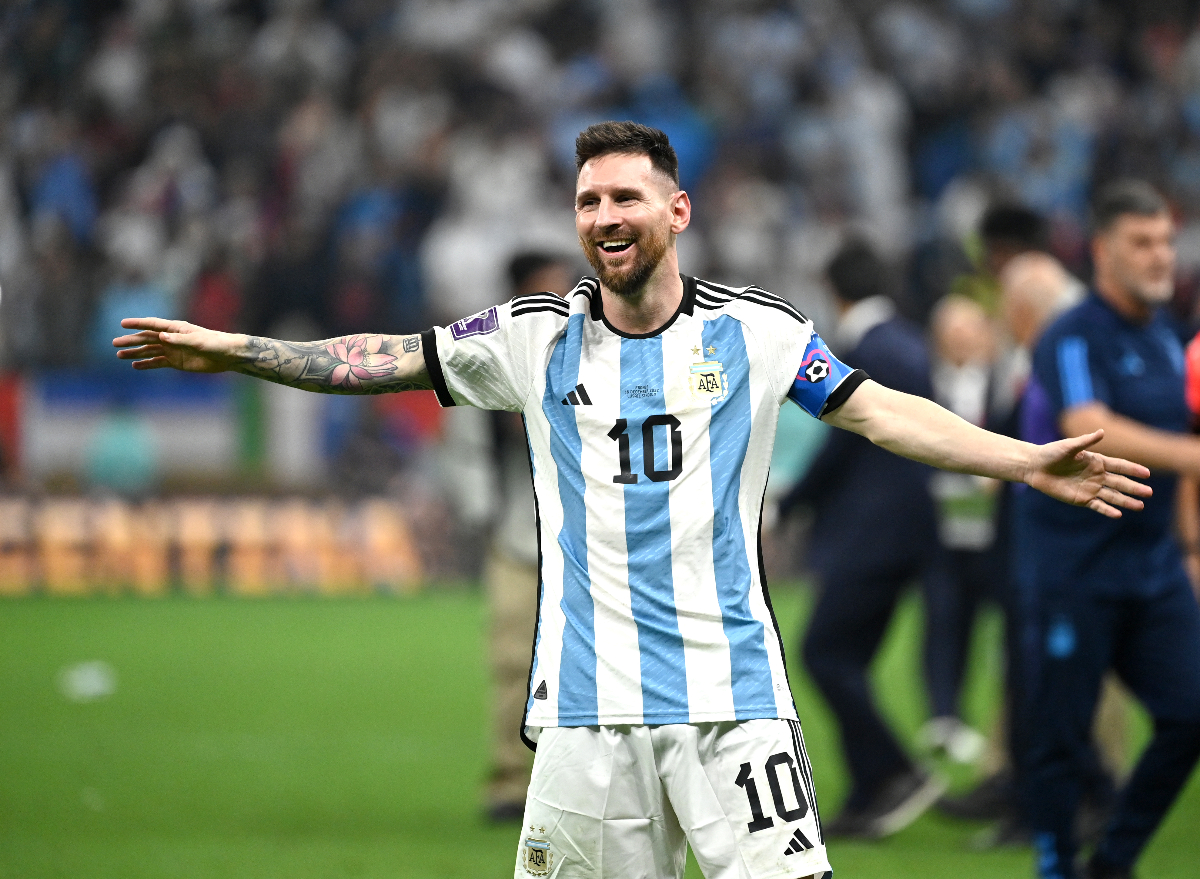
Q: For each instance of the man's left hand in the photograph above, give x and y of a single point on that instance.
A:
(1067, 471)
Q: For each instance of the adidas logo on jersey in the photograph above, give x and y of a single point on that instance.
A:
(541, 692)
(798, 844)
(577, 397)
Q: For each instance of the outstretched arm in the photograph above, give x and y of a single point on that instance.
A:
(919, 429)
(360, 364)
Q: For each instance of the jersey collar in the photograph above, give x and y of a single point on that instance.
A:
(1121, 319)
(686, 305)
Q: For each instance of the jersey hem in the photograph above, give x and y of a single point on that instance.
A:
(771, 713)
(813, 865)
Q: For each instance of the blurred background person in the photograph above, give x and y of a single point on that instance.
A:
(1006, 229)
(1034, 289)
(1187, 516)
(495, 491)
(874, 533)
(1113, 593)
(964, 350)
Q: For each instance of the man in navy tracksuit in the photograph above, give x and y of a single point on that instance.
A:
(1109, 593)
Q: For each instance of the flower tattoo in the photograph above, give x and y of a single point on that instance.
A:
(360, 364)
(359, 359)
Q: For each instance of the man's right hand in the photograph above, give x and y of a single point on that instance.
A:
(160, 343)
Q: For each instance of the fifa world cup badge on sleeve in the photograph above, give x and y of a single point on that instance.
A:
(536, 855)
(476, 325)
(708, 381)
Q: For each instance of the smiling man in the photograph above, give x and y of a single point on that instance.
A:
(658, 697)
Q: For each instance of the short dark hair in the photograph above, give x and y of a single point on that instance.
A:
(528, 263)
(1014, 223)
(856, 271)
(627, 138)
(1121, 197)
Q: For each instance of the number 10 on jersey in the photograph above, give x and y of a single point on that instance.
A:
(668, 426)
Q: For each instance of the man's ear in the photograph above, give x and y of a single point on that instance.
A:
(681, 211)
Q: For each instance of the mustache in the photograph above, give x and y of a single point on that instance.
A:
(616, 234)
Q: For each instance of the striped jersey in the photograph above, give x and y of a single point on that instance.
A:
(650, 456)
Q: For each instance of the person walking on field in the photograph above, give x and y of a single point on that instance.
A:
(659, 703)
(857, 488)
(510, 572)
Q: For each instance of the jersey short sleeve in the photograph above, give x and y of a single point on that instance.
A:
(480, 361)
(822, 382)
(800, 364)
(1068, 367)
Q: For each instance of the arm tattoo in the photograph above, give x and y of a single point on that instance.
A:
(361, 364)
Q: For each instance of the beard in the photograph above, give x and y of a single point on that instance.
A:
(627, 280)
(1150, 291)
(1155, 294)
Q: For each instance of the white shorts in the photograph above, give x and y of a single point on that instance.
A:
(620, 802)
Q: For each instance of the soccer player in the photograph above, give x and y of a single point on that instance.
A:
(1102, 594)
(657, 694)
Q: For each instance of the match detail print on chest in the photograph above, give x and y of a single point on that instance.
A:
(648, 372)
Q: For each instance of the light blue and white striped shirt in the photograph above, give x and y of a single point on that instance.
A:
(650, 458)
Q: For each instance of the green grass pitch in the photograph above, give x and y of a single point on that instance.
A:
(313, 738)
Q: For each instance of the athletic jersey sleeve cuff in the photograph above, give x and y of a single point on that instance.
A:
(433, 365)
(841, 393)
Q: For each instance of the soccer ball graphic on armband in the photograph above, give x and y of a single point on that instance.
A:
(817, 369)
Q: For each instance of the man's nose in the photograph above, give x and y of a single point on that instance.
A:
(607, 213)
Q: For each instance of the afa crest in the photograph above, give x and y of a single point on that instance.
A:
(708, 381)
(536, 856)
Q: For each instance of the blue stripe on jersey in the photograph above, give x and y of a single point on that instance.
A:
(1073, 371)
(728, 440)
(577, 702)
(648, 535)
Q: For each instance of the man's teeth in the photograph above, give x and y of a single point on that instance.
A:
(615, 246)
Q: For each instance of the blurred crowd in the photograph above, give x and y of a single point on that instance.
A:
(307, 168)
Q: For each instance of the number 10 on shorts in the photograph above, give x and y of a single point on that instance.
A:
(786, 813)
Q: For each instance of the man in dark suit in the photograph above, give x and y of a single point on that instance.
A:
(875, 531)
